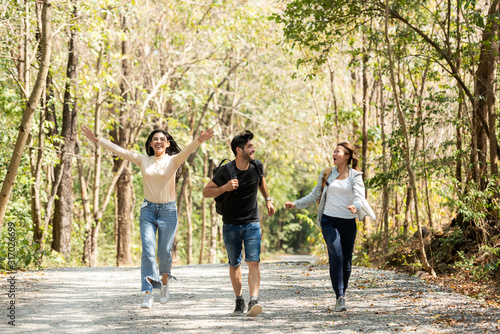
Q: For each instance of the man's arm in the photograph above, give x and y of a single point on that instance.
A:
(212, 190)
(265, 193)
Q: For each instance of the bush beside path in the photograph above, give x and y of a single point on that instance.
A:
(296, 296)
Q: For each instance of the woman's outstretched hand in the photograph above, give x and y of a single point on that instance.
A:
(204, 136)
(289, 205)
(89, 134)
(352, 208)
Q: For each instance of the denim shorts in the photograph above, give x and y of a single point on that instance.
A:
(235, 236)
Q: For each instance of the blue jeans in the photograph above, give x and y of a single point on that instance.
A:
(237, 235)
(161, 217)
(340, 235)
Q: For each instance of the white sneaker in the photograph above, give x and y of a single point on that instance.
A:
(164, 293)
(340, 305)
(148, 301)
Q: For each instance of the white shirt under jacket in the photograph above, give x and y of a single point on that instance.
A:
(355, 180)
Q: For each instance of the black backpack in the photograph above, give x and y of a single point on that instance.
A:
(231, 166)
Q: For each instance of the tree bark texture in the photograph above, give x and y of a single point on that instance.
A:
(124, 188)
(63, 212)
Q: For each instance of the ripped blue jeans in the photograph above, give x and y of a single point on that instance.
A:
(161, 217)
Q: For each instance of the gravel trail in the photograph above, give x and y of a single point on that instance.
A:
(296, 296)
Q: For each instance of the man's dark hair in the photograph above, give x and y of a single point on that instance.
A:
(241, 140)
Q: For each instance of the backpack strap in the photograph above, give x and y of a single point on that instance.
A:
(260, 169)
(324, 179)
(324, 182)
(232, 169)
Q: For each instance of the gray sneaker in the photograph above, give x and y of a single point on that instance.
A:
(164, 293)
(340, 305)
(239, 309)
(254, 309)
(148, 301)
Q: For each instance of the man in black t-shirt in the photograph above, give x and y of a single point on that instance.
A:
(241, 217)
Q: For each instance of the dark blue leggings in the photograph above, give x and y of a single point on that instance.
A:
(339, 234)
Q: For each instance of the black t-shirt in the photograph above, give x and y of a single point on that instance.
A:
(241, 205)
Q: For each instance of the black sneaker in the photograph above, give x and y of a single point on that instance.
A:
(239, 309)
(254, 309)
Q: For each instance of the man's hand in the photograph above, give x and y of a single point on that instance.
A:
(233, 184)
(270, 208)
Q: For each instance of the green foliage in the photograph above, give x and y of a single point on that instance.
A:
(479, 272)
(473, 204)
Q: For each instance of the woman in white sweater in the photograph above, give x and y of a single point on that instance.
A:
(341, 201)
(158, 210)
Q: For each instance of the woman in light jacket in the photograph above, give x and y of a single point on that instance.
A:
(159, 169)
(341, 201)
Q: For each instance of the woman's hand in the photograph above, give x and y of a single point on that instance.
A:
(289, 205)
(204, 136)
(89, 134)
(352, 208)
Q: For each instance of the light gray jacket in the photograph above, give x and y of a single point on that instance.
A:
(358, 188)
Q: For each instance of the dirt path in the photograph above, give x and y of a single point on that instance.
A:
(297, 297)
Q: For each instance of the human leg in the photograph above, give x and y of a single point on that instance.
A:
(167, 227)
(236, 280)
(347, 232)
(233, 242)
(333, 243)
(252, 242)
(148, 228)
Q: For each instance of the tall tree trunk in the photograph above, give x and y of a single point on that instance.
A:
(189, 220)
(334, 101)
(125, 217)
(385, 188)
(26, 68)
(203, 212)
(63, 212)
(364, 140)
(124, 186)
(36, 209)
(212, 253)
(409, 168)
(461, 96)
(355, 103)
(396, 210)
(25, 127)
(87, 254)
(484, 92)
(406, 222)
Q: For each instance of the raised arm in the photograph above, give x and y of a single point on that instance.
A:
(130, 156)
(178, 159)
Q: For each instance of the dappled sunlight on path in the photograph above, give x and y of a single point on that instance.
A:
(296, 296)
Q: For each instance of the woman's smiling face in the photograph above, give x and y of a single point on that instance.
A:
(159, 143)
(340, 156)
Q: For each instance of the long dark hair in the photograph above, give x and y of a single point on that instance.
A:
(353, 155)
(172, 149)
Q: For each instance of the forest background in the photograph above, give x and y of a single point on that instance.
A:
(411, 84)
